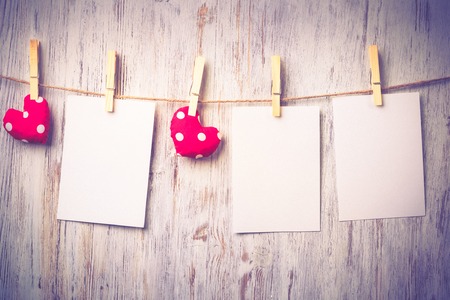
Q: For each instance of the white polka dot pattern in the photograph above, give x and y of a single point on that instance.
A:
(30, 125)
(180, 115)
(179, 136)
(190, 138)
(40, 128)
(201, 137)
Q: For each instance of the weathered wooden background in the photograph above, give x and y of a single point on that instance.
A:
(187, 249)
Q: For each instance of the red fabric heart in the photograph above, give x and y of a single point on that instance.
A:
(31, 125)
(190, 138)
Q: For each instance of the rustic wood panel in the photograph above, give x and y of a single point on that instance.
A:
(187, 249)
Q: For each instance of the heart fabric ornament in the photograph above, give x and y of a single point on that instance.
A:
(190, 138)
(31, 125)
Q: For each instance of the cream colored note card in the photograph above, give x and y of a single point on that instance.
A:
(379, 164)
(276, 169)
(106, 161)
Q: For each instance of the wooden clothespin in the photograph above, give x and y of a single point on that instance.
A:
(276, 86)
(375, 75)
(110, 81)
(196, 85)
(34, 69)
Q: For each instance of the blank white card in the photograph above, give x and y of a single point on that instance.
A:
(106, 161)
(276, 169)
(379, 164)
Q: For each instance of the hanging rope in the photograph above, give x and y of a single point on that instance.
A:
(360, 92)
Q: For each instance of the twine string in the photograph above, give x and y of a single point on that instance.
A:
(414, 84)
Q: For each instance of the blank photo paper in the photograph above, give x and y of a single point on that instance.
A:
(276, 169)
(106, 161)
(379, 164)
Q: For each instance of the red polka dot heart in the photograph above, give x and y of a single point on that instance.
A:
(30, 125)
(190, 138)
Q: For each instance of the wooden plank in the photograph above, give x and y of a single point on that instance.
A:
(187, 248)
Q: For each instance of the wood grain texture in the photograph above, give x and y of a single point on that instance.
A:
(187, 249)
